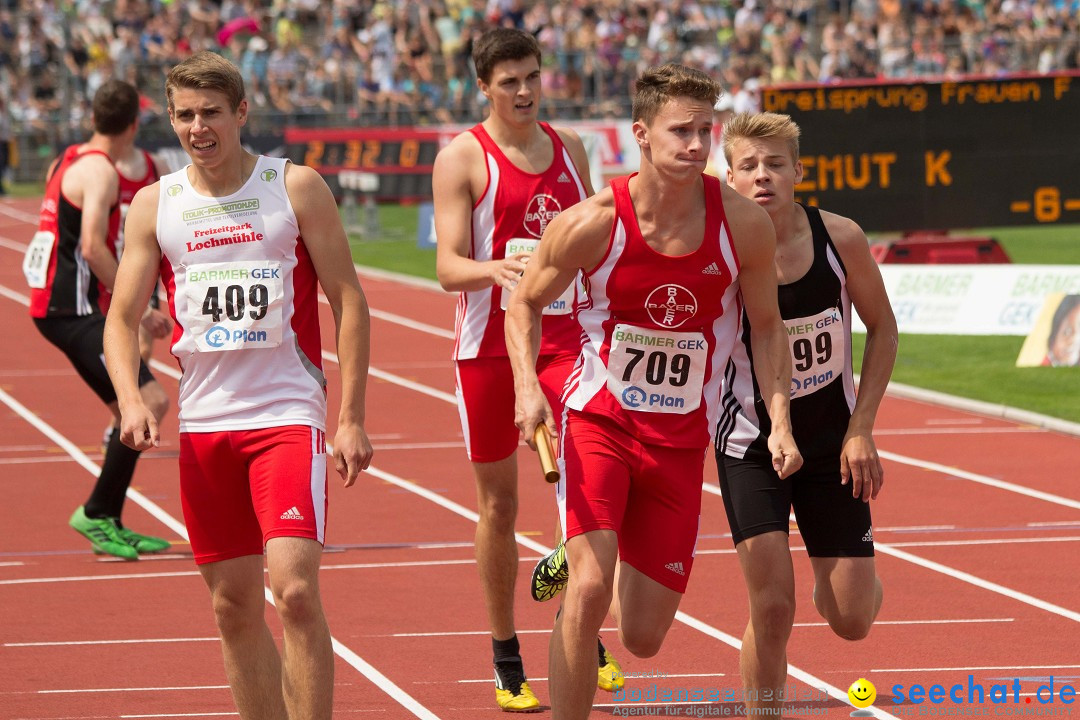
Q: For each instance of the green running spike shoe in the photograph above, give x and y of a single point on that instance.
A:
(103, 534)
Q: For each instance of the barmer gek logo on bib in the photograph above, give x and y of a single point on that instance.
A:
(542, 209)
(671, 305)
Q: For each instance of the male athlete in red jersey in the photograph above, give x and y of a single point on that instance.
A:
(670, 259)
(496, 188)
(71, 267)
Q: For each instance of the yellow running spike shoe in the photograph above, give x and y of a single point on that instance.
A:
(512, 691)
(609, 676)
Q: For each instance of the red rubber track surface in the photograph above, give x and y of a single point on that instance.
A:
(980, 578)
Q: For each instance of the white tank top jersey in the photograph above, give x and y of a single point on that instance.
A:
(243, 293)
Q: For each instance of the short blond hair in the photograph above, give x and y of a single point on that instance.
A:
(657, 85)
(206, 71)
(766, 126)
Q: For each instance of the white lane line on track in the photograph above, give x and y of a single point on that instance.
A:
(17, 214)
(138, 641)
(133, 689)
(981, 479)
(887, 549)
(462, 633)
(384, 683)
(952, 621)
(957, 431)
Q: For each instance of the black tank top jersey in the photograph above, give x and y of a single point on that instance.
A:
(817, 314)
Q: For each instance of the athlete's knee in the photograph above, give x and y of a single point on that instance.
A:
(852, 627)
(640, 640)
(588, 597)
(298, 602)
(499, 511)
(238, 610)
(773, 614)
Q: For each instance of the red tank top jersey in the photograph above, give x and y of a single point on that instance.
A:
(128, 188)
(660, 329)
(70, 286)
(511, 214)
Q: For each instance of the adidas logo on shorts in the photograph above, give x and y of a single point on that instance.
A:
(713, 269)
(563, 177)
(869, 536)
(676, 567)
(292, 514)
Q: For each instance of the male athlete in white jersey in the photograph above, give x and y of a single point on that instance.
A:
(243, 243)
(823, 266)
(670, 258)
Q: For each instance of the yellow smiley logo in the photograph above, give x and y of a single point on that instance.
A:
(862, 693)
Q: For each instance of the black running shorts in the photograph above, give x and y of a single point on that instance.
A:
(832, 523)
(81, 339)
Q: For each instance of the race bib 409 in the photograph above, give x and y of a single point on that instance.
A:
(235, 305)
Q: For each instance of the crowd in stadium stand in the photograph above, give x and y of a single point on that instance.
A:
(407, 61)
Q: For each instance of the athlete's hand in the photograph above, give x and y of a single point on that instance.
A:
(352, 452)
(156, 323)
(786, 458)
(531, 409)
(139, 428)
(507, 272)
(860, 464)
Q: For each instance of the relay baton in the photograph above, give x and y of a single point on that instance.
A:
(547, 455)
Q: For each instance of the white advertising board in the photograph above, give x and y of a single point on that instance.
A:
(972, 299)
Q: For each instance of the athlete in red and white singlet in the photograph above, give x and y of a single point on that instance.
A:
(496, 188)
(243, 243)
(508, 219)
(242, 292)
(670, 259)
(657, 327)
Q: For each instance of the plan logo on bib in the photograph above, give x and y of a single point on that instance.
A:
(671, 305)
(542, 209)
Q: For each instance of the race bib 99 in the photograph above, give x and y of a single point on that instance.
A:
(818, 351)
(658, 371)
(235, 305)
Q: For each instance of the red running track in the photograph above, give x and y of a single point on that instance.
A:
(979, 562)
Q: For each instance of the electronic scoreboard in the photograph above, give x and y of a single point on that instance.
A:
(940, 155)
(400, 158)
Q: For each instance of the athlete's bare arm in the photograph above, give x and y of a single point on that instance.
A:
(859, 461)
(326, 243)
(93, 184)
(457, 182)
(755, 242)
(135, 281)
(576, 239)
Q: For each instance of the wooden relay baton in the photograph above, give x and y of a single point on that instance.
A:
(546, 453)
